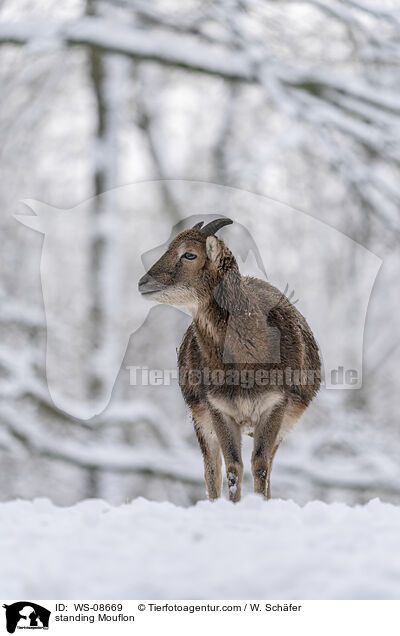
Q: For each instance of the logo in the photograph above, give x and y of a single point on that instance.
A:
(26, 615)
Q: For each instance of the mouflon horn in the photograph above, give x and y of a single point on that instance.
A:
(214, 226)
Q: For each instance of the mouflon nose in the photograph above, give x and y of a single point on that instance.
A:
(148, 284)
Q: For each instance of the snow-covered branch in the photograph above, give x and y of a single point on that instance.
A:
(112, 37)
(21, 382)
(183, 464)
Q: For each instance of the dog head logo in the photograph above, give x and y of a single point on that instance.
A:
(25, 614)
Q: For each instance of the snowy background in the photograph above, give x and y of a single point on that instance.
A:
(294, 101)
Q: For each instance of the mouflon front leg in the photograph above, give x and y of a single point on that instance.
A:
(210, 447)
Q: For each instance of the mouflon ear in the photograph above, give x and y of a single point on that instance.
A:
(220, 256)
(213, 249)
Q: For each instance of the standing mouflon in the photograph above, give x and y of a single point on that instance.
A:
(248, 361)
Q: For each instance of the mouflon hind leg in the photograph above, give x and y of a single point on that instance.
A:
(265, 446)
(230, 439)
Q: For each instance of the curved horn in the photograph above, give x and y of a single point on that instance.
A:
(198, 225)
(214, 226)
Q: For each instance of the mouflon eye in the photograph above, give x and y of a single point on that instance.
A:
(189, 256)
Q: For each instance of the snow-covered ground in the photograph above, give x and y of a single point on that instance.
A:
(255, 549)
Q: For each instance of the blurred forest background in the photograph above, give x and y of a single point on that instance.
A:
(295, 100)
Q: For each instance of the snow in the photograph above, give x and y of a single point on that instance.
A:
(254, 549)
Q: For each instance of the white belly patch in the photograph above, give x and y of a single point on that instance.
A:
(247, 412)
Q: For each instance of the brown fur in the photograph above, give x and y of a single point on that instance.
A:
(241, 325)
